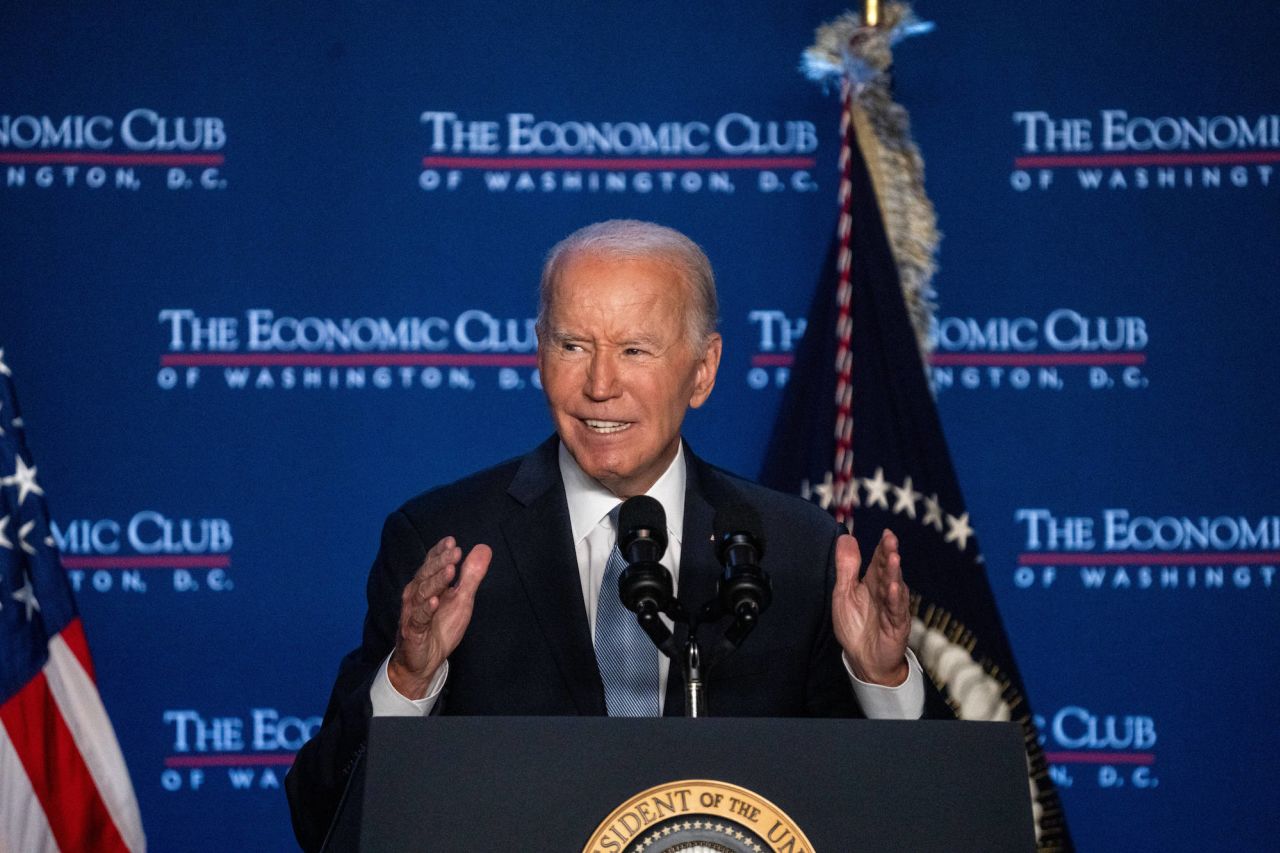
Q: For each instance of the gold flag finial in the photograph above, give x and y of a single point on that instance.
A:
(871, 17)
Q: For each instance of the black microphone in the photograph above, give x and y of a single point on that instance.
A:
(744, 590)
(645, 586)
(642, 530)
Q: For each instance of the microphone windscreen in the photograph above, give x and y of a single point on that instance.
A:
(738, 519)
(642, 513)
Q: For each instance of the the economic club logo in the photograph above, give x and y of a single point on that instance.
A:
(139, 149)
(147, 551)
(1117, 150)
(524, 153)
(1122, 551)
(1060, 349)
(263, 350)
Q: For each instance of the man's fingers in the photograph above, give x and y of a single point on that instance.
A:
(848, 563)
(897, 603)
(446, 542)
(437, 570)
(886, 564)
(428, 585)
(885, 548)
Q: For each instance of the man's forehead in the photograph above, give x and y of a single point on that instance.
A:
(584, 271)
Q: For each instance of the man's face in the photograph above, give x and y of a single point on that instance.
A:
(618, 368)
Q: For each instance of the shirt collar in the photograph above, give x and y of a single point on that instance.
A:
(589, 501)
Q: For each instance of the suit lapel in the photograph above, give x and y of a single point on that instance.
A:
(541, 545)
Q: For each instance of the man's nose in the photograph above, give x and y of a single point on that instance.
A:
(602, 376)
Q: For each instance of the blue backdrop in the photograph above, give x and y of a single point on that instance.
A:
(269, 269)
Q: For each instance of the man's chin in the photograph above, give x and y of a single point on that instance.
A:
(609, 473)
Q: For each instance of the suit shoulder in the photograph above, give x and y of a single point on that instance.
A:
(777, 509)
(471, 491)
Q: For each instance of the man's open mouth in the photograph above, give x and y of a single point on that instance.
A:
(606, 427)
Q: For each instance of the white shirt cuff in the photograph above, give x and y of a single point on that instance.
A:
(904, 702)
(388, 702)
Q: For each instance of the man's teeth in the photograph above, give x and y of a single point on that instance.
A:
(607, 426)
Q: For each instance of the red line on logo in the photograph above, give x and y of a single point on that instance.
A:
(1056, 160)
(227, 760)
(984, 359)
(625, 164)
(772, 360)
(1147, 559)
(1147, 758)
(395, 359)
(216, 561)
(91, 159)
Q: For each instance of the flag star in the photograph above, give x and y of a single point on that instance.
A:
(4, 368)
(848, 494)
(27, 596)
(25, 479)
(825, 491)
(958, 530)
(932, 512)
(4, 540)
(22, 537)
(906, 499)
(877, 489)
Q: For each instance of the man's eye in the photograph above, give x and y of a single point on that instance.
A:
(635, 351)
(570, 346)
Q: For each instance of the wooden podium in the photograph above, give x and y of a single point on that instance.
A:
(552, 783)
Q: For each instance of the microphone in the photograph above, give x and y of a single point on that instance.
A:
(744, 589)
(642, 530)
(645, 586)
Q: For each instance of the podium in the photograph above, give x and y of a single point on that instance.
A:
(552, 783)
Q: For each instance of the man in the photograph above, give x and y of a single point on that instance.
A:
(494, 595)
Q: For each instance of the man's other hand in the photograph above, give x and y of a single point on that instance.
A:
(870, 615)
(433, 615)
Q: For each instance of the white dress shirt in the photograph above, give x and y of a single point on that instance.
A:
(593, 537)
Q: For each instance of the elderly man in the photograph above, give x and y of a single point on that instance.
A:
(494, 595)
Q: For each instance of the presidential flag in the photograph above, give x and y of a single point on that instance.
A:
(858, 431)
(63, 781)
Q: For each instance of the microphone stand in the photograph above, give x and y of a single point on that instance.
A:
(695, 695)
(650, 609)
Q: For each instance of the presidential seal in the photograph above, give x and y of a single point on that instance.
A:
(697, 816)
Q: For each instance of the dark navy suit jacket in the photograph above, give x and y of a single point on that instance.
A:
(528, 649)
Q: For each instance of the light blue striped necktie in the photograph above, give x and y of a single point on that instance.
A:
(628, 659)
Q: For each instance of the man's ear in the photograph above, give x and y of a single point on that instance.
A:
(705, 372)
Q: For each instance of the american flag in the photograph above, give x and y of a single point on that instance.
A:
(858, 431)
(63, 782)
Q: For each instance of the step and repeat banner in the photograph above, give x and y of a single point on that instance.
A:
(267, 270)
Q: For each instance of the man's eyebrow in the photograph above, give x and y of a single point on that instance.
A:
(642, 340)
(561, 335)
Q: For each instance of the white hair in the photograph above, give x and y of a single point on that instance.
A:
(632, 239)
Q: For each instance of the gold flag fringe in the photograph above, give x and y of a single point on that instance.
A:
(863, 55)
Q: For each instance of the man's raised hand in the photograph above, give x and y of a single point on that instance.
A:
(871, 615)
(434, 616)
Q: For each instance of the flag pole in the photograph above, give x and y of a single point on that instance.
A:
(871, 15)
